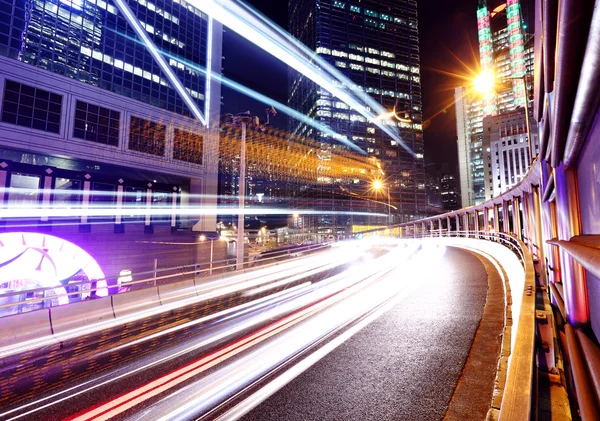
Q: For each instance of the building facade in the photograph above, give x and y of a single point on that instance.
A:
(375, 45)
(507, 157)
(449, 192)
(506, 53)
(91, 118)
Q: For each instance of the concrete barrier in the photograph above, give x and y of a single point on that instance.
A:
(134, 301)
(81, 314)
(177, 291)
(25, 326)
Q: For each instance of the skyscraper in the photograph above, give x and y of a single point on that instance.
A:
(506, 55)
(375, 44)
(110, 104)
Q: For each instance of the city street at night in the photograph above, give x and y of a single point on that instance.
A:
(299, 210)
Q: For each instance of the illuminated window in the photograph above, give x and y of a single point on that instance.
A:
(356, 66)
(356, 57)
(147, 136)
(341, 64)
(341, 116)
(339, 4)
(323, 50)
(371, 13)
(355, 9)
(187, 146)
(371, 130)
(338, 53)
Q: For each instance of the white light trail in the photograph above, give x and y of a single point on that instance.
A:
(156, 54)
(35, 212)
(252, 26)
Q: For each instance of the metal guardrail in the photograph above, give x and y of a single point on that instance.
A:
(517, 402)
(148, 279)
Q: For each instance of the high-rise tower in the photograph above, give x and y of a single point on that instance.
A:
(375, 44)
(506, 55)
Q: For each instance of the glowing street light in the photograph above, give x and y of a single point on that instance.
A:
(484, 82)
(378, 185)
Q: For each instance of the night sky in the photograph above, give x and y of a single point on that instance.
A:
(448, 38)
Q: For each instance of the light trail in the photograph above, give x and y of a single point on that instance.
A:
(336, 289)
(21, 212)
(263, 33)
(285, 302)
(209, 290)
(254, 27)
(284, 108)
(334, 313)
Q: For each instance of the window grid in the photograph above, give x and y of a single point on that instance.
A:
(26, 106)
(96, 124)
(147, 136)
(187, 146)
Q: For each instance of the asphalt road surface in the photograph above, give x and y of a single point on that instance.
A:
(403, 366)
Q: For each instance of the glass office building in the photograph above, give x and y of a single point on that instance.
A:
(86, 107)
(91, 41)
(375, 44)
(506, 52)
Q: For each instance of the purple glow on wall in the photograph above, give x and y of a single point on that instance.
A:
(31, 260)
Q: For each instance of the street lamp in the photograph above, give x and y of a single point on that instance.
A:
(378, 185)
(484, 83)
(211, 236)
(241, 119)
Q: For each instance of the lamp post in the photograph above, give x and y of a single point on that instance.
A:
(378, 185)
(241, 119)
(212, 237)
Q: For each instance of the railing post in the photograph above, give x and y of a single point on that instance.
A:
(440, 232)
(526, 227)
(496, 217)
(569, 225)
(448, 225)
(476, 222)
(457, 221)
(486, 222)
(466, 222)
(505, 221)
(517, 217)
(537, 225)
